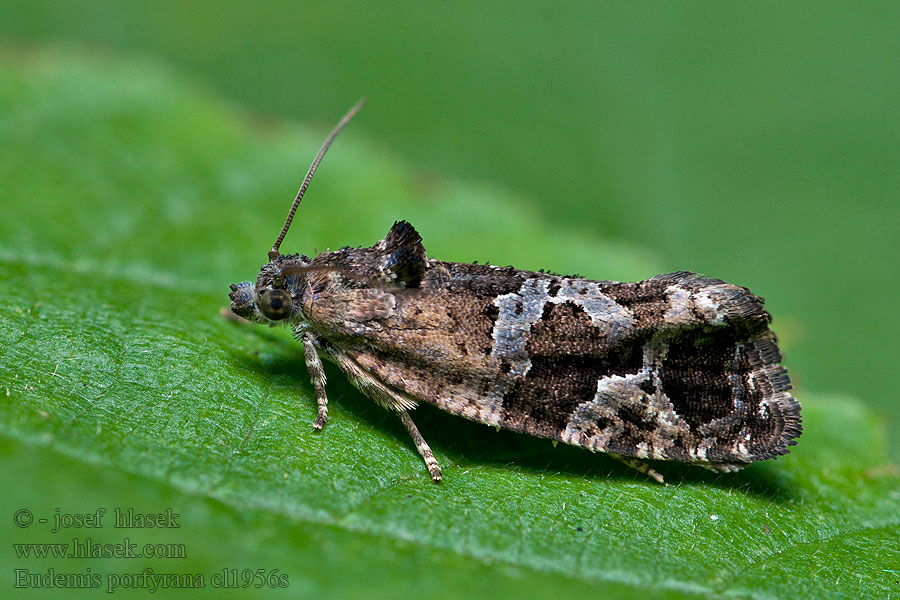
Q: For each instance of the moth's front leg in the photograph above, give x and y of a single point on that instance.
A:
(317, 374)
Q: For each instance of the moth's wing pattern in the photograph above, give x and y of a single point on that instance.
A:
(699, 378)
(676, 367)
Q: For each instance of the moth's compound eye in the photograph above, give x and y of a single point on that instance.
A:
(275, 304)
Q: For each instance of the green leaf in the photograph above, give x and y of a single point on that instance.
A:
(131, 200)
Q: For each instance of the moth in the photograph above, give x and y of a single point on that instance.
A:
(678, 367)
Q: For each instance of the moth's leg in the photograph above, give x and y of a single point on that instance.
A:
(638, 465)
(391, 400)
(722, 467)
(370, 385)
(317, 374)
(421, 446)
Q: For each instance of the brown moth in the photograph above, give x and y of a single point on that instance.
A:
(678, 367)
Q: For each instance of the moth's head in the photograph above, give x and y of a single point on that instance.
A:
(276, 296)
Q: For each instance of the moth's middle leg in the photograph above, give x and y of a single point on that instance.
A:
(422, 446)
(391, 400)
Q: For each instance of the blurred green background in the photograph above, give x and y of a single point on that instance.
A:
(759, 143)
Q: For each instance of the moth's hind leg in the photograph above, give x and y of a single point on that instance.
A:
(421, 446)
(722, 467)
(639, 466)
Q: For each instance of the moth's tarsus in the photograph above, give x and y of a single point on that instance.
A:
(273, 253)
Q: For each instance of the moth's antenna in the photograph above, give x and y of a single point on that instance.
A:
(273, 253)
